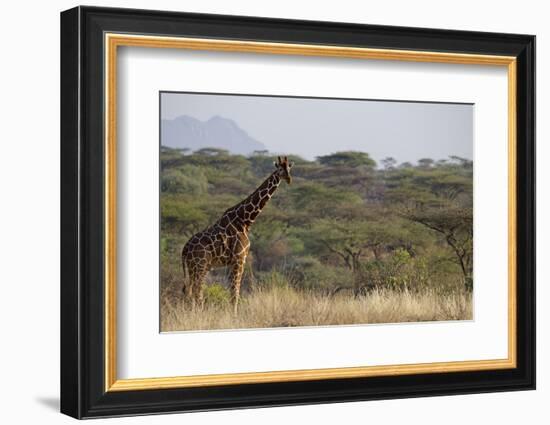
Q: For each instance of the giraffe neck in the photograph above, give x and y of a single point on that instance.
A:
(248, 210)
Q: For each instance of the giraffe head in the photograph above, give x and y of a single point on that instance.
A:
(283, 168)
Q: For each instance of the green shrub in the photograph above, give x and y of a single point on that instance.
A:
(185, 179)
(274, 279)
(396, 271)
(216, 295)
(310, 273)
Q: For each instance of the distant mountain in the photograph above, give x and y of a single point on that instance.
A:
(218, 132)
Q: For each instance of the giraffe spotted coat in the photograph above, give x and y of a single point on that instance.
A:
(226, 242)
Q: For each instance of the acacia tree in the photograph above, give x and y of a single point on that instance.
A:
(353, 170)
(348, 159)
(389, 163)
(455, 224)
(354, 241)
(440, 199)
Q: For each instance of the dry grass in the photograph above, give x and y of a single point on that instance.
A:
(286, 307)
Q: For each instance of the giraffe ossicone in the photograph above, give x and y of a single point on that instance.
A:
(226, 242)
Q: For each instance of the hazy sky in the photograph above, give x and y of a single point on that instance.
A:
(406, 131)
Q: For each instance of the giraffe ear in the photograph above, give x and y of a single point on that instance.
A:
(290, 164)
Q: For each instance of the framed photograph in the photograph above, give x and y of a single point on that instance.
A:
(261, 212)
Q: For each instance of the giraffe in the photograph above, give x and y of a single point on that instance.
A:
(226, 242)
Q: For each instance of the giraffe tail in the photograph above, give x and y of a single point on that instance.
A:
(185, 273)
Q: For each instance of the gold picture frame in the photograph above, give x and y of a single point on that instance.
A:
(114, 41)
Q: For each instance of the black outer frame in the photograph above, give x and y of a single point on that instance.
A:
(82, 217)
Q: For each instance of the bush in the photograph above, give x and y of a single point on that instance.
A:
(310, 273)
(274, 279)
(397, 271)
(186, 179)
(216, 295)
(176, 211)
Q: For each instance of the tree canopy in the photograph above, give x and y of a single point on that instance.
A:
(342, 222)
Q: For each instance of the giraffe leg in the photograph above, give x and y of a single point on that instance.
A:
(236, 276)
(193, 287)
(188, 291)
(198, 288)
(187, 281)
